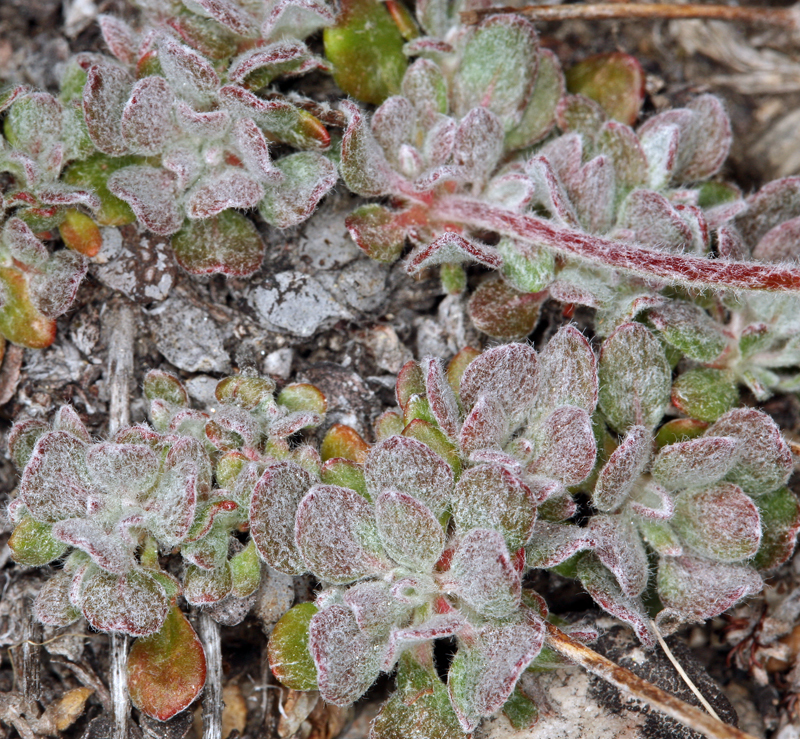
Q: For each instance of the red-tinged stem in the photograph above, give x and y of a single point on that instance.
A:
(632, 684)
(677, 268)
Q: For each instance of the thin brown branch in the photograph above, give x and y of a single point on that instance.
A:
(633, 685)
(651, 11)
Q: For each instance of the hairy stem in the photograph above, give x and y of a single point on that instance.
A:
(684, 269)
(119, 684)
(212, 693)
(633, 685)
(629, 11)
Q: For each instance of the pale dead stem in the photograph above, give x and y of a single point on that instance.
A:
(684, 269)
(628, 11)
(635, 686)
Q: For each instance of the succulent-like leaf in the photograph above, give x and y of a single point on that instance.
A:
(52, 605)
(347, 661)
(371, 72)
(719, 522)
(614, 80)
(167, 670)
(619, 547)
(539, 115)
(190, 72)
(107, 550)
(22, 439)
(20, 321)
(337, 537)
(407, 465)
(289, 656)
(634, 378)
(499, 310)
(704, 393)
(147, 118)
(207, 586)
(408, 530)
(32, 544)
(134, 604)
(104, 98)
(780, 521)
(689, 329)
(483, 574)
(150, 192)
(363, 167)
(227, 242)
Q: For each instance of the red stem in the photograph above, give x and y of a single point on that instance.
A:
(647, 262)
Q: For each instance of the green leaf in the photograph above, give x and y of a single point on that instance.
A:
(539, 116)
(635, 378)
(301, 396)
(526, 267)
(227, 242)
(20, 321)
(32, 545)
(346, 474)
(366, 50)
(289, 657)
(419, 708)
(615, 80)
(520, 710)
(93, 174)
(167, 670)
(245, 571)
(780, 519)
(705, 394)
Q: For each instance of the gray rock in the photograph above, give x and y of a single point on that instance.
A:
(362, 284)
(279, 363)
(202, 388)
(325, 243)
(188, 337)
(292, 302)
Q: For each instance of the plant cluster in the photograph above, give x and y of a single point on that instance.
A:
(183, 485)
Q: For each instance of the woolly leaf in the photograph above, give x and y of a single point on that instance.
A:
(259, 66)
(205, 587)
(614, 80)
(565, 447)
(526, 267)
(485, 427)
(719, 522)
(129, 467)
(52, 290)
(119, 37)
(346, 659)
(623, 469)
(336, 534)
(483, 674)
(605, 591)
(651, 501)
(363, 166)
(507, 374)
(539, 116)
(289, 656)
(107, 550)
(52, 605)
(425, 87)
(227, 242)
(55, 484)
(167, 670)
(104, 98)
(634, 378)
(498, 68)
(307, 176)
(654, 221)
(230, 187)
(22, 439)
(503, 312)
(407, 465)
(190, 73)
(408, 530)
(375, 609)
(439, 626)
(272, 515)
(147, 118)
(478, 144)
(433, 438)
(704, 393)
(451, 248)
(780, 522)
(490, 497)
(159, 384)
(32, 545)
(552, 543)
(689, 329)
(483, 574)
(696, 463)
(93, 173)
(134, 604)
(378, 232)
(765, 461)
(419, 708)
(619, 548)
(774, 204)
(150, 192)
(698, 589)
